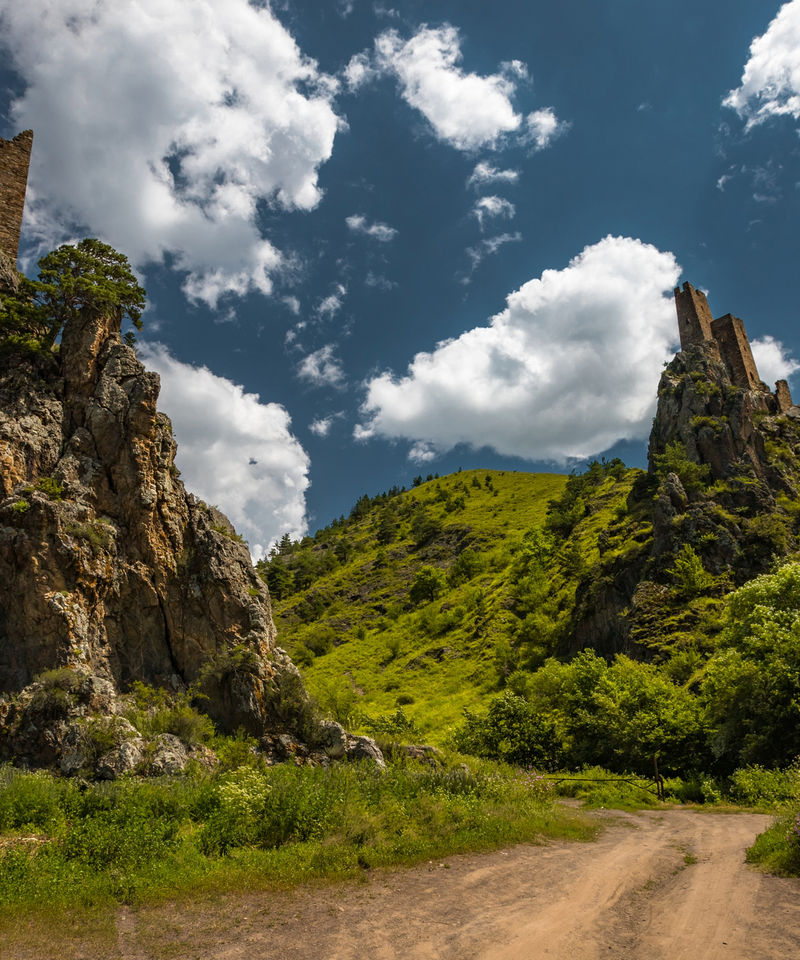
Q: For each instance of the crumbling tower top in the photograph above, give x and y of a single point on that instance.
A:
(727, 339)
(15, 156)
(694, 315)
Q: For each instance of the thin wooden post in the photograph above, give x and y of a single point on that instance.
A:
(658, 778)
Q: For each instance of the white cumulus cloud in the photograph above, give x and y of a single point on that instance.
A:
(378, 231)
(542, 127)
(485, 173)
(493, 207)
(234, 450)
(770, 85)
(467, 110)
(772, 361)
(566, 370)
(160, 125)
(321, 426)
(321, 368)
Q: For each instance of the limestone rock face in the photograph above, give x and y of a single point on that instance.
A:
(106, 563)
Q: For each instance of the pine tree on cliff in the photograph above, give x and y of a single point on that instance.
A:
(90, 275)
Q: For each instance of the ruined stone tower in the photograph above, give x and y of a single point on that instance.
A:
(14, 159)
(694, 315)
(727, 337)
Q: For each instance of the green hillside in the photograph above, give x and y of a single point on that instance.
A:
(347, 611)
(556, 620)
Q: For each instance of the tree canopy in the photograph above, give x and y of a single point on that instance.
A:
(89, 275)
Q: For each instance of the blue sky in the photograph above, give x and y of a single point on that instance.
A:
(382, 239)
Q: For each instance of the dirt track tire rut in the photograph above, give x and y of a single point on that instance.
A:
(657, 885)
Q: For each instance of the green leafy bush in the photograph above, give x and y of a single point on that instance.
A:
(756, 786)
(587, 711)
(155, 710)
(750, 688)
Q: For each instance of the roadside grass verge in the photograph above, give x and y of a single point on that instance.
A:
(89, 846)
(777, 850)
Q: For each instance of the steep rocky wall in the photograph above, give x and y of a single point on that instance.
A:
(106, 563)
(734, 503)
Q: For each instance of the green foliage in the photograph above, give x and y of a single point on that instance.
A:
(674, 459)
(467, 565)
(396, 725)
(56, 692)
(751, 687)
(228, 532)
(97, 534)
(777, 850)
(756, 786)
(428, 584)
(87, 276)
(129, 840)
(21, 506)
(424, 527)
(688, 573)
(277, 576)
(50, 487)
(154, 710)
(237, 660)
(512, 732)
(587, 711)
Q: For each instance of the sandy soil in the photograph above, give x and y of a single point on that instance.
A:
(657, 884)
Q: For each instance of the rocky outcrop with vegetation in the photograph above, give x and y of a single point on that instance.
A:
(721, 497)
(110, 570)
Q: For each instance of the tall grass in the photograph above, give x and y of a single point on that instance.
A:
(61, 842)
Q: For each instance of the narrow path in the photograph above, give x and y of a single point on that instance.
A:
(660, 885)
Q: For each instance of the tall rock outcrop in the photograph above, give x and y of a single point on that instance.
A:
(107, 564)
(723, 481)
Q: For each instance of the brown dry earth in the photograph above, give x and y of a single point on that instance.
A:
(657, 884)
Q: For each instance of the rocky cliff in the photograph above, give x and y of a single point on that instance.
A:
(108, 566)
(721, 493)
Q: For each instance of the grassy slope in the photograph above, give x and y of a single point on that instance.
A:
(438, 658)
(441, 658)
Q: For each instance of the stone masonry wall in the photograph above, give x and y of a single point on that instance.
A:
(14, 159)
(729, 332)
(694, 315)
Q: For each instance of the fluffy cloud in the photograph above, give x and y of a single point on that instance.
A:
(378, 231)
(467, 110)
(770, 84)
(771, 359)
(484, 173)
(329, 306)
(321, 368)
(542, 127)
(160, 124)
(493, 207)
(233, 450)
(567, 369)
(321, 427)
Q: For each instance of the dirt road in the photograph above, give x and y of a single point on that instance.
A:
(657, 884)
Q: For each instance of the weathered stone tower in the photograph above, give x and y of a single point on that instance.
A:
(694, 315)
(726, 335)
(14, 159)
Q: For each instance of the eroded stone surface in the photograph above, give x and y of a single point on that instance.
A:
(107, 564)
